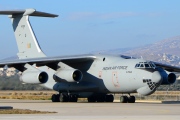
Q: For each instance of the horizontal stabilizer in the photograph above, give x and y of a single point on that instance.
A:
(30, 12)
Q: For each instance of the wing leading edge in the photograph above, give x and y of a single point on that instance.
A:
(48, 60)
(169, 68)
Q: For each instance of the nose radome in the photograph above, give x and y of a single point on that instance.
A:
(156, 77)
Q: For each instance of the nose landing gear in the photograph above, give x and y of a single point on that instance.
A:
(131, 99)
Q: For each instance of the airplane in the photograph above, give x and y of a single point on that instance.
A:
(96, 77)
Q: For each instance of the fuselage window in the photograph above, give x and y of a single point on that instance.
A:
(104, 59)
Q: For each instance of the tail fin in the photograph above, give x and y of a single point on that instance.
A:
(26, 40)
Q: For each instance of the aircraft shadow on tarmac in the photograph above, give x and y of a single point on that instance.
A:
(85, 102)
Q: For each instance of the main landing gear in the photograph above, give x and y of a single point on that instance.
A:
(101, 98)
(125, 99)
(64, 98)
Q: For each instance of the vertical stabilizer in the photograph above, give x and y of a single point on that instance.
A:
(26, 40)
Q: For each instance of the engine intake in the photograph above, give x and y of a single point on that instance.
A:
(77, 75)
(168, 78)
(43, 77)
(68, 75)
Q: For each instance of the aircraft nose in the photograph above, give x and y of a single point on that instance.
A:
(151, 84)
(156, 77)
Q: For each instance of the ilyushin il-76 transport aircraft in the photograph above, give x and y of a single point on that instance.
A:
(96, 77)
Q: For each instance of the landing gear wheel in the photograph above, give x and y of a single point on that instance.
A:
(101, 98)
(55, 98)
(73, 98)
(123, 99)
(92, 99)
(109, 98)
(64, 98)
(131, 99)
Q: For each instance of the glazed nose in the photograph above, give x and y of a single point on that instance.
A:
(156, 77)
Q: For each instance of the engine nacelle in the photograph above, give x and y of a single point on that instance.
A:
(168, 78)
(68, 75)
(34, 77)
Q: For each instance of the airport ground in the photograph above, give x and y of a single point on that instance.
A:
(142, 109)
(93, 111)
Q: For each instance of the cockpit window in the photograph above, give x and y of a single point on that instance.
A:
(142, 65)
(137, 65)
(145, 65)
(153, 65)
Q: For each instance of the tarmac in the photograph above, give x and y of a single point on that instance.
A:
(141, 110)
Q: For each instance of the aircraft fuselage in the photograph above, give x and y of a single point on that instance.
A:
(113, 74)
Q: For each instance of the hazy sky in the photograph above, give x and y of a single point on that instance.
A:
(93, 25)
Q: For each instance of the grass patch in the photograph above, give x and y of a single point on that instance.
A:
(27, 95)
(24, 111)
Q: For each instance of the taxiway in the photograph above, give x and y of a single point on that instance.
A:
(95, 111)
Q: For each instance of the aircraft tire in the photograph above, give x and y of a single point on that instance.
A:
(109, 98)
(55, 98)
(131, 99)
(63, 98)
(92, 99)
(73, 98)
(101, 98)
(123, 99)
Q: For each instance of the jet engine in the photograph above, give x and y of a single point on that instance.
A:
(68, 75)
(34, 77)
(168, 78)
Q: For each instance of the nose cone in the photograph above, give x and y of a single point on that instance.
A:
(156, 77)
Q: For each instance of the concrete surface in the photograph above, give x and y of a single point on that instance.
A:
(141, 110)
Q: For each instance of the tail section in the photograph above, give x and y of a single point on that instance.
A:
(26, 40)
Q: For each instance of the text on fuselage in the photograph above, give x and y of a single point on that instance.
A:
(115, 68)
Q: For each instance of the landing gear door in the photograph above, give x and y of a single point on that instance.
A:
(115, 79)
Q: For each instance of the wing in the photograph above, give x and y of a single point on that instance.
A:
(169, 68)
(50, 61)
